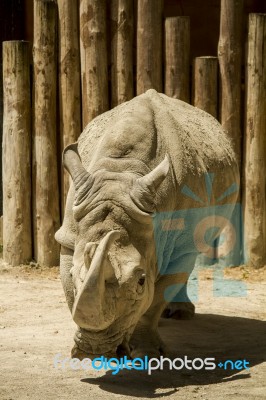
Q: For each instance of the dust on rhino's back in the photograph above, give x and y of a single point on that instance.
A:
(151, 125)
(135, 136)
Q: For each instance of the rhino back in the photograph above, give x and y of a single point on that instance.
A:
(151, 125)
(137, 134)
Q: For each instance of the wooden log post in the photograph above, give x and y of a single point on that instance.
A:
(69, 81)
(205, 97)
(229, 54)
(149, 45)
(17, 235)
(177, 58)
(93, 51)
(46, 196)
(122, 51)
(205, 84)
(255, 142)
(1, 130)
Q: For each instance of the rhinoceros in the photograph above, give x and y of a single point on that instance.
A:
(129, 165)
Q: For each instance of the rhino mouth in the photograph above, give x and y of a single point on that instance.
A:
(104, 343)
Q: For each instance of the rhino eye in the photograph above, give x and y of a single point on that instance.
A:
(142, 280)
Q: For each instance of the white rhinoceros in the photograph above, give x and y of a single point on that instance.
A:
(130, 165)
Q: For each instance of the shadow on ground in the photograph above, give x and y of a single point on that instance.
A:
(207, 335)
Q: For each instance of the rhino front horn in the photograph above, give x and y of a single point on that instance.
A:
(145, 188)
(90, 306)
(72, 163)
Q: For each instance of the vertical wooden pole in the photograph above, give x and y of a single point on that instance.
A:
(69, 81)
(255, 142)
(205, 84)
(93, 59)
(1, 129)
(17, 243)
(149, 45)
(46, 197)
(229, 54)
(122, 50)
(177, 55)
(205, 97)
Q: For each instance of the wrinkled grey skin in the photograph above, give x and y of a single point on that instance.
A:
(130, 163)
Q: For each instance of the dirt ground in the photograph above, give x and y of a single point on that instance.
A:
(35, 325)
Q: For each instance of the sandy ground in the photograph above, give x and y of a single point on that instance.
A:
(35, 325)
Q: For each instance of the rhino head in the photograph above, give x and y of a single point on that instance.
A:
(114, 264)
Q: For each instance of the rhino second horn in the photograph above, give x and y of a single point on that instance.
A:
(89, 306)
(154, 178)
(72, 163)
(144, 189)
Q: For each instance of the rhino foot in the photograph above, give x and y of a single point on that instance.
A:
(76, 352)
(179, 310)
(146, 342)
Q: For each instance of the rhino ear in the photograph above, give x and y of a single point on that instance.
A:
(145, 188)
(72, 163)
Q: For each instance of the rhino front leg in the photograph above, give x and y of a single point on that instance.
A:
(183, 310)
(66, 263)
(146, 340)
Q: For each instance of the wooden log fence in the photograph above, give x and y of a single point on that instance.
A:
(255, 141)
(149, 46)
(1, 135)
(122, 31)
(205, 84)
(69, 81)
(94, 74)
(17, 234)
(108, 52)
(229, 54)
(177, 58)
(46, 211)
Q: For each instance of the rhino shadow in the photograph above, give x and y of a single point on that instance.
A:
(206, 335)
